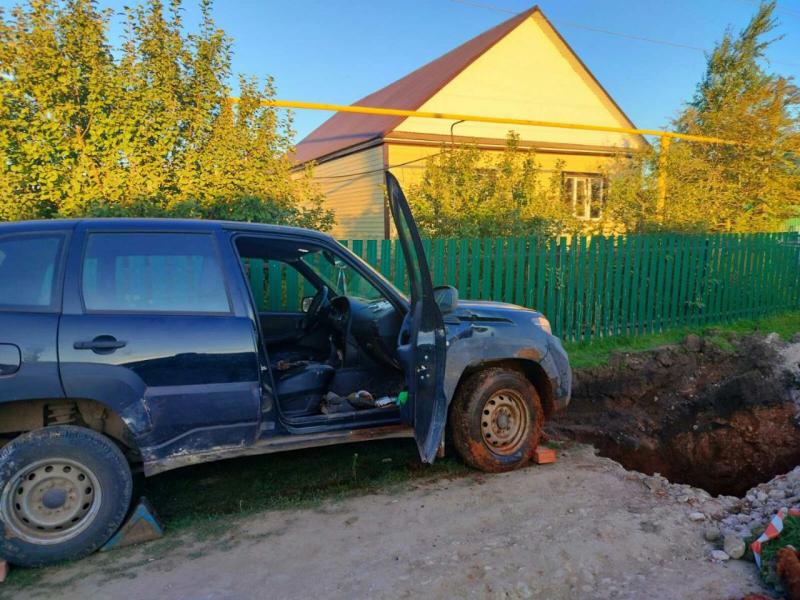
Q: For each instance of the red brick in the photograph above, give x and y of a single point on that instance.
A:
(3, 570)
(543, 456)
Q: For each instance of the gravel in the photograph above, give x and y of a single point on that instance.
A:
(719, 556)
(711, 533)
(758, 506)
(727, 521)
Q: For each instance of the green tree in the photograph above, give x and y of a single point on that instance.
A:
(631, 201)
(747, 187)
(146, 129)
(466, 192)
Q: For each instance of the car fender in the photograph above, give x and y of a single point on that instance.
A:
(120, 390)
(470, 345)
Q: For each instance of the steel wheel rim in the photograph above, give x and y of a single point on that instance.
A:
(504, 422)
(51, 501)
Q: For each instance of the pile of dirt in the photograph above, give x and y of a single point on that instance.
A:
(721, 419)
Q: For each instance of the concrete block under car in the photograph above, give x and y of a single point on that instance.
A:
(142, 526)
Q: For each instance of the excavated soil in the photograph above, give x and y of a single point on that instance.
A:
(722, 420)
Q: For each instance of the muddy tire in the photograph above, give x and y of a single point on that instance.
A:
(64, 491)
(496, 420)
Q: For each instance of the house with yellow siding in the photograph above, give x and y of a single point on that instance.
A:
(520, 69)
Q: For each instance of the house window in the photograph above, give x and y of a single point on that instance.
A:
(586, 193)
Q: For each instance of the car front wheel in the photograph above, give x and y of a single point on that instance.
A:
(496, 420)
(64, 491)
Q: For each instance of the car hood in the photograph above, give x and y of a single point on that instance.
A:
(489, 310)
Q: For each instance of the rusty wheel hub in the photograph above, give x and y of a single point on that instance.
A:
(51, 501)
(504, 422)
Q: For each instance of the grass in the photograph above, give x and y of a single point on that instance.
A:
(595, 353)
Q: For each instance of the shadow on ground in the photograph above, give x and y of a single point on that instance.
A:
(287, 480)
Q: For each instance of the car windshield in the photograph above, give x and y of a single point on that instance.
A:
(344, 279)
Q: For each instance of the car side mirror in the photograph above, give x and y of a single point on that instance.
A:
(446, 298)
(305, 303)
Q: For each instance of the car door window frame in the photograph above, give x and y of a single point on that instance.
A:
(88, 232)
(338, 249)
(59, 267)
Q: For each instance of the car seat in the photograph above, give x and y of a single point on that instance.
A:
(301, 387)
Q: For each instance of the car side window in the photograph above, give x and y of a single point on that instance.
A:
(28, 270)
(153, 272)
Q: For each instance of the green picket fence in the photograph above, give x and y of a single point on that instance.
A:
(593, 287)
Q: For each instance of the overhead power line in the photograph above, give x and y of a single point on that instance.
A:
(779, 7)
(586, 27)
(380, 169)
(619, 34)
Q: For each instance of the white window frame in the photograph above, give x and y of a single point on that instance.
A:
(585, 181)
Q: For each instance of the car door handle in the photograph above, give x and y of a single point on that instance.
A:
(101, 344)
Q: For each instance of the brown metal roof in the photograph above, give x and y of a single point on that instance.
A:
(344, 130)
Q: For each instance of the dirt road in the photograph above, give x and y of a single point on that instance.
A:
(582, 528)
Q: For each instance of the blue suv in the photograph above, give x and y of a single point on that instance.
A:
(138, 345)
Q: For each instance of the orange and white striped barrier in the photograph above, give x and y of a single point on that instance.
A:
(772, 531)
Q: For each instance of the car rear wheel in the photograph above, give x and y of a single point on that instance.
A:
(496, 420)
(64, 491)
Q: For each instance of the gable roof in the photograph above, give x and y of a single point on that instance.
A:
(344, 130)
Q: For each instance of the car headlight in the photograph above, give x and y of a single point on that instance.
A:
(544, 323)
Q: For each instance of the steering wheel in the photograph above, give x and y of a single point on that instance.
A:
(314, 312)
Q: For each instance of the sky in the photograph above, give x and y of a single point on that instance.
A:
(338, 51)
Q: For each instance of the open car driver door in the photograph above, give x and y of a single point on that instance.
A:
(421, 344)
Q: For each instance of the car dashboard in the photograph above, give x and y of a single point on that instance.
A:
(372, 324)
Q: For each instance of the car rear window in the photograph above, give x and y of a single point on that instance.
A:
(153, 272)
(28, 268)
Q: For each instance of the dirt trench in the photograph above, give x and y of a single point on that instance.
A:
(720, 419)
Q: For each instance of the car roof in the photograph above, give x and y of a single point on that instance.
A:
(160, 224)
